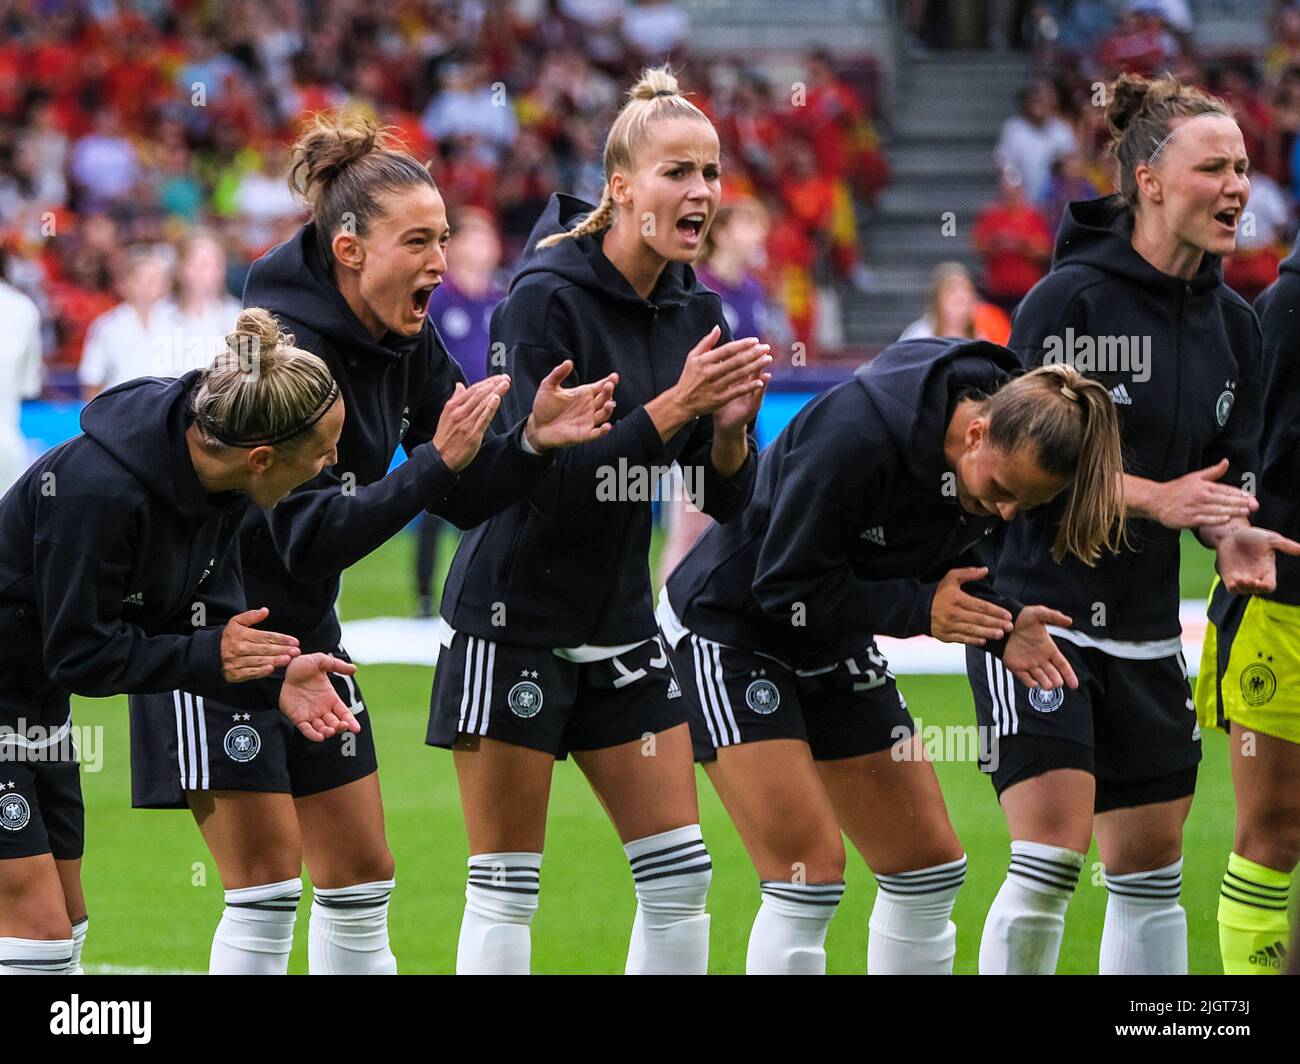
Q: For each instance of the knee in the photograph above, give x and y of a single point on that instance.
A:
(1270, 838)
(48, 927)
(819, 860)
(1142, 853)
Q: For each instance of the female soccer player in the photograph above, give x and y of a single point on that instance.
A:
(550, 645)
(106, 545)
(353, 285)
(1249, 664)
(868, 517)
(1134, 298)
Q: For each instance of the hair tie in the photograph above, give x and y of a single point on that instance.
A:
(665, 92)
(1151, 159)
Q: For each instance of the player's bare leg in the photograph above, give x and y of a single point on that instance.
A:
(890, 806)
(504, 792)
(255, 841)
(35, 929)
(648, 789)
(776, 799)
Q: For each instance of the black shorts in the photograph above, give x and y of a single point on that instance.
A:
(1131, 724)
(183, 742)
(40, 802)
(529, 697)
(847, 709)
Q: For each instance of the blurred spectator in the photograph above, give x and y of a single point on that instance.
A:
(469, 106)
(733, 252)
(461, 310)
(202, 312)
(1031, 140)
(655, 29)
(20, 374)
(1067, 184)
(103, 164)
(1014, 242)
(133, 338)
(955, 309)
(1138, 44)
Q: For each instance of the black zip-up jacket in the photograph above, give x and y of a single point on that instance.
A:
(570, 566)
(1199, 404)
(854, 518)
(394, 390)
(1278, 308)
(106, 544)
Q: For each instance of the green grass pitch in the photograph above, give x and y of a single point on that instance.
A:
(154, 895)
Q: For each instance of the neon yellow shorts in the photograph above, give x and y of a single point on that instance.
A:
(1250, 666)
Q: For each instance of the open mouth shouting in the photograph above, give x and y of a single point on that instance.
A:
(420, 300)
(1228, 218)
(691, 226)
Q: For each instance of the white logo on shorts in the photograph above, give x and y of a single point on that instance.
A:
(1046, 701)
(14, 812)
(525, 699)
(762, 696)
(242, 743)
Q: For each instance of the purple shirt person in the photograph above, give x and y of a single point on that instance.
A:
(461, 310)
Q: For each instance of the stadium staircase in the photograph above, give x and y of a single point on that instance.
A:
(940, 137)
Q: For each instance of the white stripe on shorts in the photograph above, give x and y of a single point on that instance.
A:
(994, 700)
(1009, 685)
(180, 737)
(701, 688)
(192, 777)
(201, 720)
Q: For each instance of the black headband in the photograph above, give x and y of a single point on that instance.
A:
(319, 412)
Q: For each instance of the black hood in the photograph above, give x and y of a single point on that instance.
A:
(1099, 233)
(582, 262)
(130, 424)
(914, 385)
(292, 275)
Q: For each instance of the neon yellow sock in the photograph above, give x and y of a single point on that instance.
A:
(1253, 929)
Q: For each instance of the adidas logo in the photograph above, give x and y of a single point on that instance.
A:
(134, 600)
(875, 535)
(673, 690)
(1119, 395)
(1273, 956)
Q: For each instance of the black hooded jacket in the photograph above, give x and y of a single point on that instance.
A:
(1195, 402)
(570, 566)
(1278, 308)
(394, 390)
(854, 518)
(106, 544)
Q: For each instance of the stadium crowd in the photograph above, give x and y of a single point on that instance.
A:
(1053, 150)
(129, 131)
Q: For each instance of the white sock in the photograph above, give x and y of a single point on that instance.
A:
(1025, 924)
(255, 934)
(500, 903)
(789, 932)
(79, 930)
(670, 934)
(911, 933)
(35, 956)
(1146, 929)
(347, 933)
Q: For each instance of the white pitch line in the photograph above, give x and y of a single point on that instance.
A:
(126, 969)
